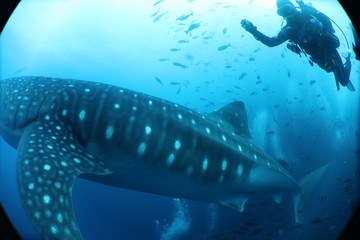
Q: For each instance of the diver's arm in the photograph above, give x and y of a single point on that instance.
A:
(271, 41)
(268, 41)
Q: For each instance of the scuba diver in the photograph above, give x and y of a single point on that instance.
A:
(309, 32)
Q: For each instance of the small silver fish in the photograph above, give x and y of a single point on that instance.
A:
(158, 2)
(184, 17)
(174, 83)
(242, 76)
(155, 13)
(223, 47)
(159, 16)
(189, 57)
(256, 50)
(192, 27)
(159, 81)
(179, 65)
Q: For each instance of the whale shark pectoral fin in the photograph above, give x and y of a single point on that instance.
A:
(237, 203)
(48, 161)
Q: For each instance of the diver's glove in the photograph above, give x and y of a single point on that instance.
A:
(248, 26)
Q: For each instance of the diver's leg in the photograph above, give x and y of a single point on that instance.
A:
(341, 75)
(347, 66)
(336, 75)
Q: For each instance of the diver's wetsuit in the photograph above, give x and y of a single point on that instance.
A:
(315, 38)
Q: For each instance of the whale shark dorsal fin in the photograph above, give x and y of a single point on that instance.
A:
(235, 115)
(49, 159)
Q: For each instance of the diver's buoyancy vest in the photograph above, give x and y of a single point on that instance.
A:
(319, 16)
(315, 26)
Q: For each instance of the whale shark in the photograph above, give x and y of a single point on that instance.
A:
(64, 129)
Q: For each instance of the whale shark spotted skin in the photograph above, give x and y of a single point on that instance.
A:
(63, 128)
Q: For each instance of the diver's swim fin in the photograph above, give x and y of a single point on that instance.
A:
(350, 86)
(342, 75)
(347, 67)
(337, 84)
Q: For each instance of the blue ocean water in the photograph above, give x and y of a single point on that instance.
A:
(196, 54)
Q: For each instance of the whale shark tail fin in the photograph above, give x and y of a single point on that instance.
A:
(49, 159)
(307, 184)
(235, 115)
